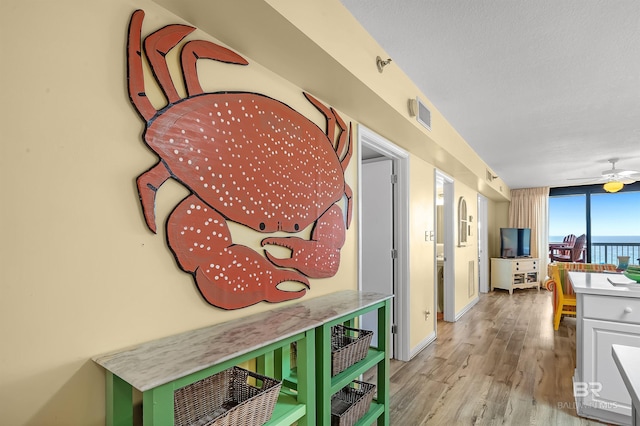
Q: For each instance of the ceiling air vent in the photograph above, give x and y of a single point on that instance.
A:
(419, 110)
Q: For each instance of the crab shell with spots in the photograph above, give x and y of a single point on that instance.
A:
(247, 158)
(253, 159)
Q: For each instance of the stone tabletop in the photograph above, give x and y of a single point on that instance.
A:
(337, 305)
(151, 364)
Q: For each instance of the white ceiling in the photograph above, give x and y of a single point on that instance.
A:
(542, 90)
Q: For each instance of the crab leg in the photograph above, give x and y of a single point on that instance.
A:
(135, 75)
(228, 275)
(201, 49)
(332, 118)
(342, 139)
(156, 46)
(148, 184)
(318, 257)
(347, 189)
(349, 194)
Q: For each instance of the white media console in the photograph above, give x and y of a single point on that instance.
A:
(512, 273)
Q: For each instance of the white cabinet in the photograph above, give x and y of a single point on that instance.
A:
(509, 274)
(601, 388)
(605, 316)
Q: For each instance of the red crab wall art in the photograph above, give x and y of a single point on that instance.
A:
(246, 158)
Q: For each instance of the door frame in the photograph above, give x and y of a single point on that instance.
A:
(483, 246)
(449, 245)
(400, 161)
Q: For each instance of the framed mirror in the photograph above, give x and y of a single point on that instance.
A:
(463, 222)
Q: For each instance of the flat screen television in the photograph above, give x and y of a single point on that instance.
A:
(515, 242)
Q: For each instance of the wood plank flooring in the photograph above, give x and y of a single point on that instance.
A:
(500, 364)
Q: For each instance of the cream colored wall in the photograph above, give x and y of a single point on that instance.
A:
(80, 272)
(421, 219)
(499, 218)
(466, 254)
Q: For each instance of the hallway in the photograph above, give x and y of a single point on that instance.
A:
(501, 363)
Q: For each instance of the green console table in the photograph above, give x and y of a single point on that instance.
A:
(157, 368)
(343, 308)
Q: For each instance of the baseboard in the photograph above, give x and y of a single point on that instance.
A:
(467, 308)
(422, 345)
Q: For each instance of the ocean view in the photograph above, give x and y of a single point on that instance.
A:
(602, 239)
(606, 249)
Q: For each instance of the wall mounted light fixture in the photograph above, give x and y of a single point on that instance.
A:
(381, 64)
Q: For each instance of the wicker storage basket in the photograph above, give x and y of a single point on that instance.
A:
(348, 346)
(227, 398)
(350, 403)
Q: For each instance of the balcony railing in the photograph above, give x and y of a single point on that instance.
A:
(609, 252)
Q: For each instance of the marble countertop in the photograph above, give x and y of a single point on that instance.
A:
(336, 305)
(627, 358)
(151, 364)
(601, 283)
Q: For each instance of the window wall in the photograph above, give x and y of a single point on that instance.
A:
(611, 222)
(567, 215)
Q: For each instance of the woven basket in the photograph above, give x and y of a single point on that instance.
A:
(227, 399)
(348, 346)
(350, 403)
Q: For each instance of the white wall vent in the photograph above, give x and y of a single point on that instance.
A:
(418, 109)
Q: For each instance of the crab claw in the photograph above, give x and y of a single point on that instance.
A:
(318, 257)
(305, 256)
(228, 275)
(236, 291)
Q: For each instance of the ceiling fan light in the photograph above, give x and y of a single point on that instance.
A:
(613, 186)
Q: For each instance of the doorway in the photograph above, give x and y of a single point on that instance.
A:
(383, 266)
(376, 195)
(445, 261)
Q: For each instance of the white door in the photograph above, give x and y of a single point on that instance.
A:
(377, 233)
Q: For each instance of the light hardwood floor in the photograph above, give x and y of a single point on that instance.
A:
(501, 363)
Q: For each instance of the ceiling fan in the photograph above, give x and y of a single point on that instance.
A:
(614, 179)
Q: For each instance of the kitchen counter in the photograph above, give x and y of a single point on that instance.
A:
(607, 315)
(627, 359)
(601, 284)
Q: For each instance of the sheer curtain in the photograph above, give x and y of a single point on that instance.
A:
(529, 208)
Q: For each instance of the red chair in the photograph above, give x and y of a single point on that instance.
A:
(563, 248)
(575, 254)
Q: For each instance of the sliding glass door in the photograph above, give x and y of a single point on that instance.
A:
(615, 227)
(611, 222)
(567, 215)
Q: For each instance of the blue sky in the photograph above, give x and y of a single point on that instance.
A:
(611, 214)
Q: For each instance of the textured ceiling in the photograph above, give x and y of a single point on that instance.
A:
(543, 91)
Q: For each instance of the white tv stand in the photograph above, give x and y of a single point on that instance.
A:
(512, 273)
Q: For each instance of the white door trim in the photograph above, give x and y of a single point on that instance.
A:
(449, 246)
(483, 247)
(400, 160)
